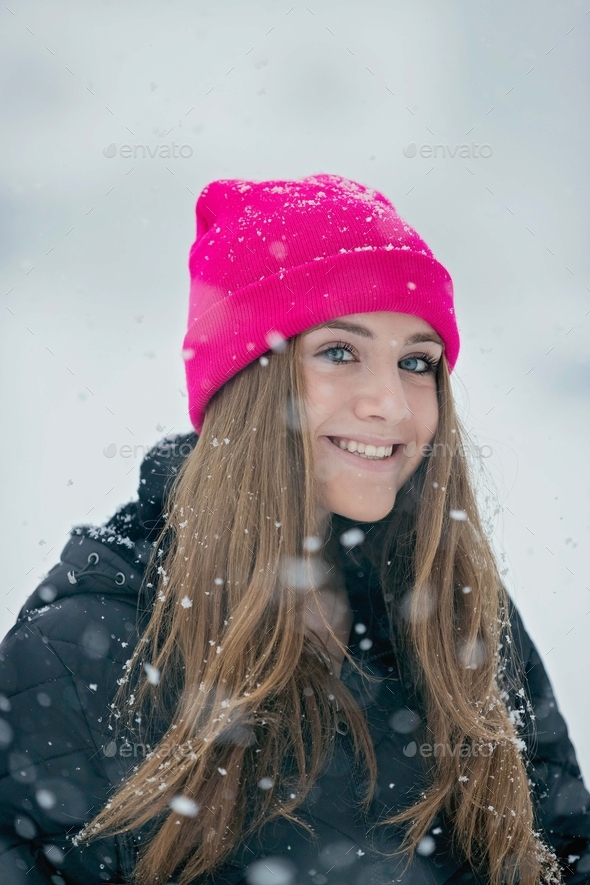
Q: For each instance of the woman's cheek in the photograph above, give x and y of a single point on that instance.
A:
(320, 404)
(325, 389)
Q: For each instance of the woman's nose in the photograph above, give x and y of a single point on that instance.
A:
(382, 396)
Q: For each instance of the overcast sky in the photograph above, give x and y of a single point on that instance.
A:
(94, 244)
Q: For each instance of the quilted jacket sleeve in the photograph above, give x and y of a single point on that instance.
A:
(563, 803)
(52, 765)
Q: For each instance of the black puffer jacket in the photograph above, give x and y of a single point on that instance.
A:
(59, 667)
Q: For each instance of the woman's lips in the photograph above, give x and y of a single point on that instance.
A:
(377, 465)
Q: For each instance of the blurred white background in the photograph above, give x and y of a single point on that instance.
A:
(95, 248)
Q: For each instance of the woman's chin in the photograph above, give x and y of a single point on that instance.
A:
(359, 510)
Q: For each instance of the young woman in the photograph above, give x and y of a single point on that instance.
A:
(292, 659)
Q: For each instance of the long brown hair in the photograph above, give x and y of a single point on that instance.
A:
(246, 695)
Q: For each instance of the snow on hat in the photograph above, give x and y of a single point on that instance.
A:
(273, 258)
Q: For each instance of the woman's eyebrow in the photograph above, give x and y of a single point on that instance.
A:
(346, 327)
(425, 336)
(364, 332)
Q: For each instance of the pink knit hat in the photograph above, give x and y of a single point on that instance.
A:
(274, 258)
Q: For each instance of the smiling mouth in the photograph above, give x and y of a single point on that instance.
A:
(371, 453)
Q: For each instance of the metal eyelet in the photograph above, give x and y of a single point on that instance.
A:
(120, 578)
(342, 726)
(93, 558)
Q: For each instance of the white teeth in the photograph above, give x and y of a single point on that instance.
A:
(364, 451)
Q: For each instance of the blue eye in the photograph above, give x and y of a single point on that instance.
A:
(339, 346)
(431, 364)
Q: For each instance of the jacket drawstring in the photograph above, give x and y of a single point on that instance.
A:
(93, 558)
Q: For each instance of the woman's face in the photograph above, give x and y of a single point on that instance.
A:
(369, 386)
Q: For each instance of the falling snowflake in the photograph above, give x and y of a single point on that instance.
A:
(352, 538)
(186, 602)
(183, 805)
(426, 846)
(276, 341)
(153, 674)
(271, 871)
(45, 798)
